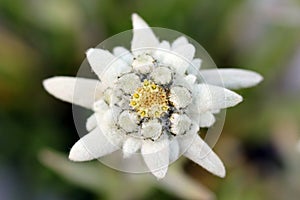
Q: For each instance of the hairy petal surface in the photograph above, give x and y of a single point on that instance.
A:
(92, 146)
(107, 66)
(202, 154)
(156, 157)
(231, 78)
(124, 54)
(194, 67)
(79, 91)
(143, 36)
(180, 41)
(179, 58)
(91, 123)
(209, 98)
(131, 146)
(206, 120)
(174, 150)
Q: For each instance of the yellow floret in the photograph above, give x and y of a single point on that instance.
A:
(150, 100)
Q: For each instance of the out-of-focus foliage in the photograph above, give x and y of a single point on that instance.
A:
(114, 185)
(39, 39)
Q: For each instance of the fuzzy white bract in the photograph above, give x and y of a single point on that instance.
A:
(151, 101)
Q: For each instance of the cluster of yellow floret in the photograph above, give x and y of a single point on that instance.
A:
(150, 100)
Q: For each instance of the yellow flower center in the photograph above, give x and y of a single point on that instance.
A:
(149, 100)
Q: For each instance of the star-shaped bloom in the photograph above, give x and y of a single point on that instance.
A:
(151, 100)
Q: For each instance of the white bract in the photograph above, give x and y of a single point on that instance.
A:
(151, 101)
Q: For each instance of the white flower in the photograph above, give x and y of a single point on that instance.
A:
(151, 101)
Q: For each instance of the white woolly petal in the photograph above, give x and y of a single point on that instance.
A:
(194, 67)
(107, 124)
(231, 78)
(161, 75)
(180, 97)
(131, 146)
(162, 50)
(151, 129)
(100, 107)
(91, 123)
(114, 135)
(180, 123)
(164, 45)
(91, 146)
(143, 63)
(124, 54)
(79, 91)
(128, 121)
(182, 81)
(143, 36)
(202, 154)
(180, 41)
(197, 63)
(190, 79)
(129, 83)
(180, 58)
(156, 157)
(216, 111)
(208, 98)
(185, 140)
(106, 65)
(206, 119)
(187, 51)
(174, 150)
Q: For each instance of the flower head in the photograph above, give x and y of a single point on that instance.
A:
(151, 100)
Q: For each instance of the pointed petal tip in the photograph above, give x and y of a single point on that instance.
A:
(72, 158)
(255, 78)
(160, 174)
(138, 22)
(222, 171)
(46, 83)
(202, 154)
(134, 16)
(223, 174)
(239, 99)
(89, 51)
(217, 169)
(51, 84)
(79, 153)
(235, 98)
(156, 157)
(259, 78)
(137, 18)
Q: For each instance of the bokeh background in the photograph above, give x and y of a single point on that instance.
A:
(40, 39)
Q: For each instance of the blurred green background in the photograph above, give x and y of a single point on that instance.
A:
(40, 39)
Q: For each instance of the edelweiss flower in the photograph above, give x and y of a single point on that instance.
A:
(151, 100)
